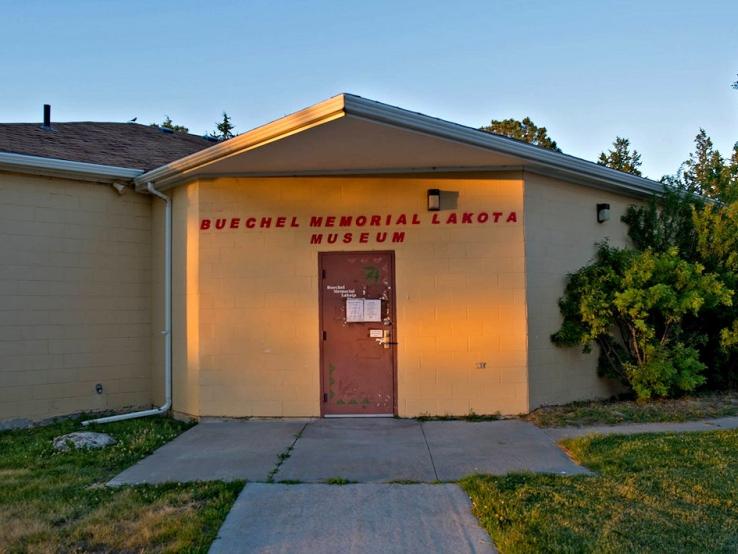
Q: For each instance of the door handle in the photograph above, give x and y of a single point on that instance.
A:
(385, 340)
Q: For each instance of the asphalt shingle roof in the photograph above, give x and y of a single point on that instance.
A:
(130, 145)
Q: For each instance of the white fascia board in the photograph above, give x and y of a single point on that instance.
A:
(540, 158)
(167, 175)
(532, 157)
(37, 165)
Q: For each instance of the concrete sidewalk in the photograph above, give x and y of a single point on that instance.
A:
(361, 450)
(216, 450)
(370, 518)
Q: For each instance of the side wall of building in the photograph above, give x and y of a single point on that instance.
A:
(75, 293)
(250, 294)
(561, 230)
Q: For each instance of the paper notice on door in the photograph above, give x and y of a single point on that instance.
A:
(372, 310)
(354, 310)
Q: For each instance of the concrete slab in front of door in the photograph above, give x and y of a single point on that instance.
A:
(461, 448)
(370, 518)
(364, 450)
(216, 450)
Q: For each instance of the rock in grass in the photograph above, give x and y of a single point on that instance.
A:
(82, 439)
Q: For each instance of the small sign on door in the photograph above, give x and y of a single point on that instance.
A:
(354, 310)
(363, 309)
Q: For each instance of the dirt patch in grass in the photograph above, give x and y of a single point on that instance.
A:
(656, 493)
(630, 411)
(57, 502)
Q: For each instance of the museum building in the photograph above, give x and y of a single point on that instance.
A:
(349, 259)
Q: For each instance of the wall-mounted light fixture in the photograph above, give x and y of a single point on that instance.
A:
(434, 200)
(603, 213)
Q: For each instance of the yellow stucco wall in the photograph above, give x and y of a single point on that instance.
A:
(75, 292)
(246, 300)
(561, 230)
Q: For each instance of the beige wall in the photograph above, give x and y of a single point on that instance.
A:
(246, 300)
(560, 233)
(75, 292)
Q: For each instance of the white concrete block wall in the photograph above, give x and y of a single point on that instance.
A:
(75, 296)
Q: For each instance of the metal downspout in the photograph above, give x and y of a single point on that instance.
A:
(167, 332)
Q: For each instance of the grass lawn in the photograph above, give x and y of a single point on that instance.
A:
(629, 411)
(653, 493)
(56, 502)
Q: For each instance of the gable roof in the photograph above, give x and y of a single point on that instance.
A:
(127, 145)
(348, 134)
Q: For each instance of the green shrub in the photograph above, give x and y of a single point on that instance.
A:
(633, 305)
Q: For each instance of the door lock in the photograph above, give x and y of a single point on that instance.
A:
(386, 339)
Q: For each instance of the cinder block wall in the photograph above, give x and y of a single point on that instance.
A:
(75, 295)
(561, 230)
(246, 338)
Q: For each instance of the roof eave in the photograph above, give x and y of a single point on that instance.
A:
(54, 167)
(539, 160)
(174, 172)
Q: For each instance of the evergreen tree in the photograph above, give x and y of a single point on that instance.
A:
(224, 129)
(525, 130)
(706, 172)
(169, 124)
(620, 157)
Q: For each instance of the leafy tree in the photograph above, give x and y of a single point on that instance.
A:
(633, 304)
(707, 172)
(620, 157)
(716, 228)
(665, 221)
(224, 129)
(525, 130)
(169, 124)
(705, 233)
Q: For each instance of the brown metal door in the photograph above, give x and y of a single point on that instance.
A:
(357, 356)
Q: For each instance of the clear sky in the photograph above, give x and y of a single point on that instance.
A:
(654, 71)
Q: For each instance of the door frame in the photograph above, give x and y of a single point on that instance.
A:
(393, 315)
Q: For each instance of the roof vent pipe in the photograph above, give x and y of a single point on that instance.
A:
(47, 116)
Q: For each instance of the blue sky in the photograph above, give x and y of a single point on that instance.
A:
(654, 71)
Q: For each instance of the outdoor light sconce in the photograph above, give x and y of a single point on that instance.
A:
(603, 213)
(434, 200)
